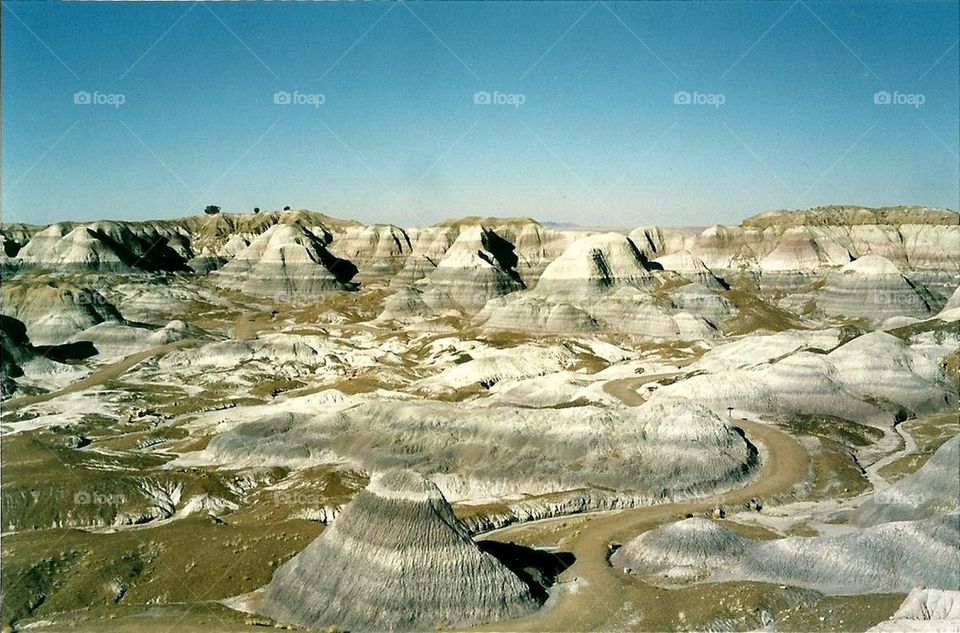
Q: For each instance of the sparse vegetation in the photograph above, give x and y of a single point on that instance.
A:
(251, 359)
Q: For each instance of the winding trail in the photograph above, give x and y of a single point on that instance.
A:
(100, 376)
(590, 590)
(625, 389)
(909, 448)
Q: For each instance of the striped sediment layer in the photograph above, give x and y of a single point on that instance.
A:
(888, 558)
(874, 287)
(289, 263)
(396, 559)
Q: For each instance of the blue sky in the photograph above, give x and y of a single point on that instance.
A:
(586, 129)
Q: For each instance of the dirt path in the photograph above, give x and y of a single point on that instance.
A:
(100, 376)
(590, 590)
(626, 388)
(909, 448)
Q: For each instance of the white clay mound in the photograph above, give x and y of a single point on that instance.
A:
(888, 558)
(395, 559)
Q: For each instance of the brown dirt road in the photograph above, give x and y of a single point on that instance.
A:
(589, 603)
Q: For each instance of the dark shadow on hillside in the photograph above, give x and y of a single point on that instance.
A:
(65, 352)
(503, 252)
(753, 453)
(538, 568)
(155, 257)
(343, 269)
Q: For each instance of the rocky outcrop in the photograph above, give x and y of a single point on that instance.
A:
(429, 245)
(288, 263)
(692, 268)
(378, 250)
(876, 378)
(658, 450)
(951, 311)
(802, 249)
(595, 264)
(107, 247)
(924, 611)
(692, 546)
(873, 287)
(455, 267)
(112, 339)
(787, 250)
(395, 559)
(699, 300)
(727, 249)
(158, 301)
(15, 351)
(850, 215)
(478, 266)
(892, 557)
(517, 363)
(815, 263)
(216, 239)
(15, 236)
(933, 489)
(536, 247)
(652, 241)
(604, 283)
(198, 243)
(572, 503)
(54, 313)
